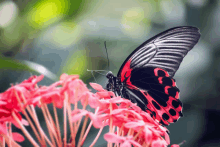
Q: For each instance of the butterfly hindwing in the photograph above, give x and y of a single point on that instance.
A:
(155, 92)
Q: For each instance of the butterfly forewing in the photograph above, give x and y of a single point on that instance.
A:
(147, 73)
(166, 50)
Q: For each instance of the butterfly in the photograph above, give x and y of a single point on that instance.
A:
(146, 76)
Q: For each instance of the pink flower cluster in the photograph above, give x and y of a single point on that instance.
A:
(128, 124)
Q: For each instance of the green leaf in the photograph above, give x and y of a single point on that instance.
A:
(23, 65)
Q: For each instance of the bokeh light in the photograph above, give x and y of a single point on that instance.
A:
(66, 34)
(131, 21)
(76, 63)
(46, 12)
(8, 13)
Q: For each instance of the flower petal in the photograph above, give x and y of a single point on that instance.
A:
(126, 144)
(159, 143)
(24, 122)
(135, 143)
(111, 137)
(135, 124)
(3, 129)
(97, 87)
(17, 137)
(175, 145)
(148, 135)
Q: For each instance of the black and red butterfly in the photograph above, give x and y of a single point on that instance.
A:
(146, 76)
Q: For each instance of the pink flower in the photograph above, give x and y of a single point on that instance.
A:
(77, 114)
(128, 124)
(178, 145)
(175, 145)
(124, 141)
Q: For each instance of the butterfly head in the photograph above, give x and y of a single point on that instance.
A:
(109, 75)
(111, 81)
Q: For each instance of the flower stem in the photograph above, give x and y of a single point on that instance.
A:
(135, 137)
(72, 128)
(52, 126)
(3, 142)
(25, 131)
(184, 141)
(57, 126)
(48, 125)
(26, 115)
(111, 124)
(88, 128)
(81, 140)
(84, 107)
(32, 111)
(10, 133)
(64, 123)
(97, 137)
(7, 139)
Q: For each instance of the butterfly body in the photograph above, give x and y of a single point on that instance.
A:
(146, 76)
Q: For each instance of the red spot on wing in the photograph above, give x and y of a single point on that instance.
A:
(126, 75)
(151, 108)
(174, 83)
(126, 71)
(166, 89)
(150, 105)
(177, 95)
(156, 72)
(171, 99)
(164, 114)
(129, 84)
(160, 80)
(163, 110)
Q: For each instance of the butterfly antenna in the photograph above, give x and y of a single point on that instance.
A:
(106, 53)
(97, 71)
(100, 70)
(92, 74)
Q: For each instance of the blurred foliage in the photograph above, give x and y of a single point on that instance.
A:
(76, 64)
(19, 29)
(12, 65)
(46, 12)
